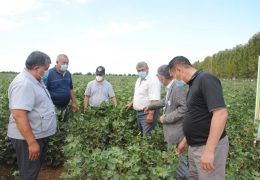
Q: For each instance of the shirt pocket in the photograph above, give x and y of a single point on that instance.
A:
(48, 120)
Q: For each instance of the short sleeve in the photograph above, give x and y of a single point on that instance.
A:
(22, 97)
(110, 91)
(212, 93)
(88, 90)
(154, 91)
(71, 85)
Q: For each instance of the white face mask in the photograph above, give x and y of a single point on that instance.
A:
(99, 78)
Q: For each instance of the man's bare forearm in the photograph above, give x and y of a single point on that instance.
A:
(218, 123)
(72, 96)
(152, 111)
(86, 101)
(114, 100)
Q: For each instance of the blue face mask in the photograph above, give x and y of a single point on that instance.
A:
(64, 67)
(179, 83)
(161, 83)
(46, 74)
(142, 75)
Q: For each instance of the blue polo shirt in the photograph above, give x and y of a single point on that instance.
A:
(59, 86)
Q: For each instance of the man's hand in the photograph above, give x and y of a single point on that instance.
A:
(161, 118)
(129, 105)
(149, 118)
(34, 151)
(207, 160)
(181, 147)
(146, 109)
(74, 107)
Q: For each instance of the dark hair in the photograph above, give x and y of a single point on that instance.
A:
(37, 58)
(179, 60)
(163, 70)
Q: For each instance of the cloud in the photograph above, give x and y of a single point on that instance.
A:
(79, 1)
(10, 7)
(6, 24)
(112, 30)
(100, 18)
(42, 18)
(82, 1)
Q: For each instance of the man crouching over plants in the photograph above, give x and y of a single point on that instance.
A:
(33, 117)
(174, 108)
(204, 121)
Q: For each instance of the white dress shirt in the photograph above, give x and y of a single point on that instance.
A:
(146, 91)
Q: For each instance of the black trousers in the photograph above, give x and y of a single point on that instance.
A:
(29, 170)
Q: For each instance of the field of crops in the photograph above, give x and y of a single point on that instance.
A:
(107, 144)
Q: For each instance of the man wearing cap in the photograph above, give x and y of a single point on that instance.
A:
(99, 90)
(59, 84)
(174, 105)
(147, 91)
(204, 121)
(32, 118)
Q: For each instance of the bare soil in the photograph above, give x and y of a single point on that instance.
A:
(46, 172)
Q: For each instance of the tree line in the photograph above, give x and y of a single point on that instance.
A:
(241, 62)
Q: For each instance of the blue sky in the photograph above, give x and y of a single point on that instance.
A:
(119, 33)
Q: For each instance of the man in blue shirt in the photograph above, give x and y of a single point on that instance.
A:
(59, 84)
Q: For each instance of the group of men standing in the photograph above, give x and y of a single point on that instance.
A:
(195, 118)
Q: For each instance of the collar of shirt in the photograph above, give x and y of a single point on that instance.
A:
(147, 77)
(31, 77)
(194, 76)
(99, 83)
(169, 86)
(58, 71)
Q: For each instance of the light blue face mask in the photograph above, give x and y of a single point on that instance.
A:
(46, 74)
(179, 83)
(161, 83)
(64, 67)
(142, 75)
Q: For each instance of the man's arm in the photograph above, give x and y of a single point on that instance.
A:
(217, 126)
(181, 147)
(24, 127)
(129, 105)
(179, 101)
(86, 99)
(74, 107)
(149, 118)
(114, 100)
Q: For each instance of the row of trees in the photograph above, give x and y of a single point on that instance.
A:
(9, 72)
(239, 62)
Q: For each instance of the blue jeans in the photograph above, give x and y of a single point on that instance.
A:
(144, 127)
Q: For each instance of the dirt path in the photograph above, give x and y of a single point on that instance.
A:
(47, 172)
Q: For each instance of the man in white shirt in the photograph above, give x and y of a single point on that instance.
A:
(147, 91)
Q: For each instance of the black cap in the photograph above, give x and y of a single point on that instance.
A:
(100, 70)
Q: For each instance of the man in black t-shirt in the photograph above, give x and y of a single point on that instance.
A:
(204, 121)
